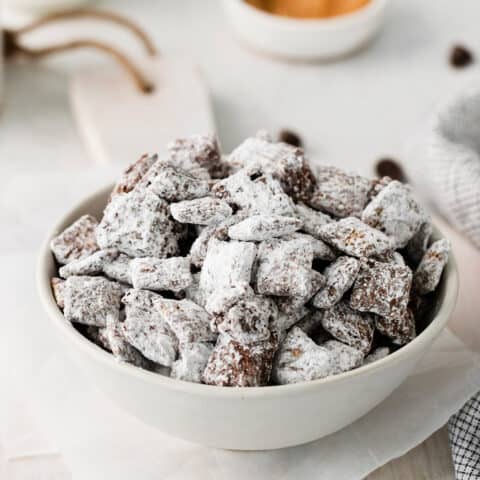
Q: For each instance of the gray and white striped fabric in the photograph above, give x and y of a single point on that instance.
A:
(445, 166)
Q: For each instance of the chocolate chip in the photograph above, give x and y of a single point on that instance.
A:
(287, 136)
(388, 167)
(460, 57)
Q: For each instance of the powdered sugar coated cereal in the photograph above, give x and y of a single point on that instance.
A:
(161, 274)
(77, 241)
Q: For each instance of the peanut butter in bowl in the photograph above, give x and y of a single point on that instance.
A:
(308, 9)
(305, 30)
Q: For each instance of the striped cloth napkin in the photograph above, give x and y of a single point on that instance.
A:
(447, 170)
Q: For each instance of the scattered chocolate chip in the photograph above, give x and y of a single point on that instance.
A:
(460, 57)
(287, 136)
(388, 167)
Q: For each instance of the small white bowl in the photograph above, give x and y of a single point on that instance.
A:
(305, 39)
(257, 418)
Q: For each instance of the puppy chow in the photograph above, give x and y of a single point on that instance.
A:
(339, 277)
(91, 300)
(91, 265)
(174, 184)
(192, 362)
(355, 238)
(77, 241)
(300, 359)
(429, 271)
(134, 174)
(198, 151)
(251, 269)
(340, 193)
(139, 225)
(395, 212)
(233, 364)
(381, 288)
(262, 227)
(254, 192)
(284, 162)
(349, 326)
(161, 274)
(146, 329)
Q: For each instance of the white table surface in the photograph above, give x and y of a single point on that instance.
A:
(349, 113)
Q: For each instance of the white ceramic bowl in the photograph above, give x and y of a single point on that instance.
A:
(305, 39)
(238, 418)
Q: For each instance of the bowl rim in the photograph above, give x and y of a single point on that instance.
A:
(370, 9)
(44, 262)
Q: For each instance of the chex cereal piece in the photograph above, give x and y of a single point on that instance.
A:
(58, 289)
(340, 193)
(255, 193)
(284, 321)
(227, 264)
(199, 247)
(146, 329)
(395, 212)
(223, 299)
(77, 241)
(161, 273)
(344, 357)
(377, 354)
(201, 211)
(221, 230)
(284, 269)
(288, 281)
(198, 250)
(134, 173)
(352, 236)
(290, 305)
(262, 227)
(91, 265)
(138, 224)
(237, 298)
(90, 300)
(246, 318)
(392, 256)
(284, 162)
(198, 151)
(290, 311)
(321, 251)
(350, 327)
(232, 364)
(192, 362)
(418, 244)
(429, 271)
(120, 348)
(118, 268)
(174, 184)
(296, 251)
(300, 359)
(312, 219)
(381, 288)
(400, 328)
(189, 321)
(339, 277)
(378, 184)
